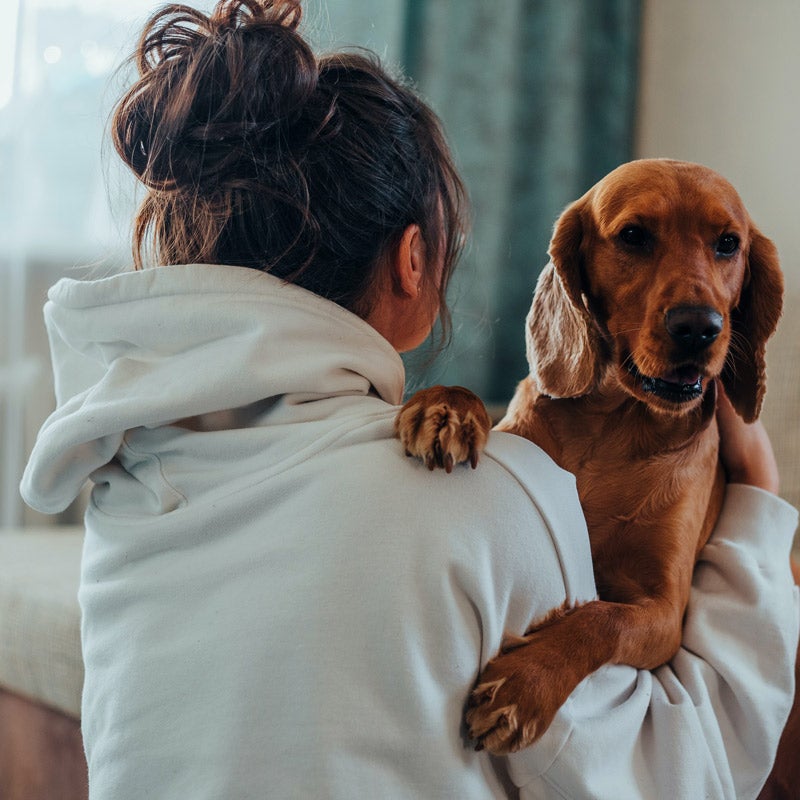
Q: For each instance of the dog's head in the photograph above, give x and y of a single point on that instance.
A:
(658, 274)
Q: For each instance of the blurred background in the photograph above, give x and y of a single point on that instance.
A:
(540, 99)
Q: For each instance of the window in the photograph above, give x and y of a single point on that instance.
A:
(63, 204)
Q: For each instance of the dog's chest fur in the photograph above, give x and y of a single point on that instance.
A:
(617, 448)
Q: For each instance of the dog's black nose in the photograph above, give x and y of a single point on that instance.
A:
(693, 328)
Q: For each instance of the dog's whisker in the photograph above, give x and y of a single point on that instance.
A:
(739, 351)
(634, 329)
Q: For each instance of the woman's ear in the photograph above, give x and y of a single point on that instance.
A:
(409, 264)
(402, 310)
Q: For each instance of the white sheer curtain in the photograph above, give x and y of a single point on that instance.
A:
(62, 209)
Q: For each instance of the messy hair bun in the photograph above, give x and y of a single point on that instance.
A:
(254, 153)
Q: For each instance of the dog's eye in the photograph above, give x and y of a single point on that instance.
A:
(634, 236)
(727, 245)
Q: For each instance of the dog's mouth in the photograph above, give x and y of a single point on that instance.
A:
(680, 385)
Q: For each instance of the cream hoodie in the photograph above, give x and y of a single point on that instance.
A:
(281, 605)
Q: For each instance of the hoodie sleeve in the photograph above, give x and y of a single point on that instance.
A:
(67, 449)
(708, 723)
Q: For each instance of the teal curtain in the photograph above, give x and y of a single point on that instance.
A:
(538, 99)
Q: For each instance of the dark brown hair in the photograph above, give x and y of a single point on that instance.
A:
(255, 152)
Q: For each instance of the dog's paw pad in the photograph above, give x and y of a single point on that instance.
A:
(444, 426)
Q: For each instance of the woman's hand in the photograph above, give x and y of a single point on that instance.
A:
(745, 449)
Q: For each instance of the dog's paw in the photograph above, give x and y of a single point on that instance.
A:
(444, 426)
(517, 696)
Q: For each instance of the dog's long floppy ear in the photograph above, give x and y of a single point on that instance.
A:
(753, 321)
(564, 348)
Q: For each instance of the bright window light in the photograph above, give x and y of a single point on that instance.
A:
(52, 54)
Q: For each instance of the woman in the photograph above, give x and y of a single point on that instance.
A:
(277, 603)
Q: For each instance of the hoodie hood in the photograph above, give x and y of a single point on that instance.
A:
(147, 348)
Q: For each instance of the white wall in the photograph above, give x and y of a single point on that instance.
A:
(720, 85)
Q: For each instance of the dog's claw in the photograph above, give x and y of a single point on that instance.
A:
(485, 692)
(496, 729)
(438, 457)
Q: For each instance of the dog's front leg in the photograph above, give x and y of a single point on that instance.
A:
(522, 688)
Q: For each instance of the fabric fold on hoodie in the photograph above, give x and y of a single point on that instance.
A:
(137, 350)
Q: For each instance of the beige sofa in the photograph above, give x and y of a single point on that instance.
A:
(40, 665)
(41, 672)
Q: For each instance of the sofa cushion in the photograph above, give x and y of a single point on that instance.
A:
(40, 648)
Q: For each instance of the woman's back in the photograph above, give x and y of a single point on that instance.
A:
(276, 584)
